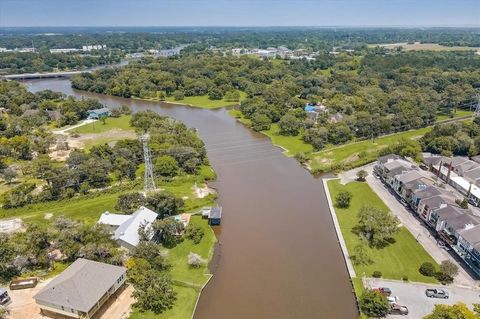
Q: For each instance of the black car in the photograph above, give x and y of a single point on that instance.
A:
(4, 297)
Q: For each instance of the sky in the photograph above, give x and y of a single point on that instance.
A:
(239, 13)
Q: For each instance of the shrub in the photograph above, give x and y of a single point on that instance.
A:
(405, 278)
(449, 268)
(427, 269)
(377, 274)
(343, 199)
(374, 304)
(301, 157)
(194, 233)
(195, 260)
(443, 278)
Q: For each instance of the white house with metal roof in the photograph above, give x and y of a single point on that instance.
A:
(81, 289)
(125, 228)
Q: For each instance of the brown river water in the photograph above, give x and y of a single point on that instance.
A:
(278, 254)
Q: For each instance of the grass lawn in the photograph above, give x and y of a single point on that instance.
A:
(111, 123)
(358, 153)
(291, 144)
(183, 308)
(459, 113)
(402, 258)
(201, 101)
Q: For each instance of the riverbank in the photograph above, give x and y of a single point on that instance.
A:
(202, 101)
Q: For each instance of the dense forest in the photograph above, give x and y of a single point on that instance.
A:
(30, 62)
(356, 96)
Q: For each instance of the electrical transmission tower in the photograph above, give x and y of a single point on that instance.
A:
(149, 181)
(477, 109)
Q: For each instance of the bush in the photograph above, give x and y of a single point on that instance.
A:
(343, 199)
(377, 274)
(427, 269)
(374, 304)
(443, 278)
(179, 95)
(405, 278)
(194, 233)
(261, 122)
(195, 260)
(449, 268)
(301, 157)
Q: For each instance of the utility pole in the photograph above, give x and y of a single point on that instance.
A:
(149, 181)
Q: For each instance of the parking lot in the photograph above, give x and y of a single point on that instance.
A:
(419, 305)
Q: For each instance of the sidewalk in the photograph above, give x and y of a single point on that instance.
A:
(341, 241)
(418, 230)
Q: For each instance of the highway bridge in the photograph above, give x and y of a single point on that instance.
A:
(24, 76)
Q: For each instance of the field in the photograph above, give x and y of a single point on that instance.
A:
(402, 258)
(291, 144)
(423, 47)
(111, 123)
(459, 113)
(201, 101)
(358, 153)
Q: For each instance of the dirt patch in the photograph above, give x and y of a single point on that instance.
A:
(202, 192)
(79, 141)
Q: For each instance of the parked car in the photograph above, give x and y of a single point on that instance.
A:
(383, 290)
(392, 300)
(404, 203)
(436, 293)
(398, 310)
(443, 245)
(4, 297)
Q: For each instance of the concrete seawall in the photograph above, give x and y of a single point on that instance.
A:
(340, 238)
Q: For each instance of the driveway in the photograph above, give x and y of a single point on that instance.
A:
(419, 305)
(418, 229)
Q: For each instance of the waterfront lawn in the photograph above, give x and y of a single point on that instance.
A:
(402, 258)
(182, 309)
(203, 101)
(111, 123)
(358, 153)
(291, 144)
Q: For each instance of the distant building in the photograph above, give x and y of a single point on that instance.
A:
(52, 115)
(88, 48)
(124, 228)
(64, 50)
(81, 289)
(96, 114)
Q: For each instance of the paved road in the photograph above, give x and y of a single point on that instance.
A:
(418, 304)
(418, 229)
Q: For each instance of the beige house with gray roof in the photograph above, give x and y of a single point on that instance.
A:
(81, 289)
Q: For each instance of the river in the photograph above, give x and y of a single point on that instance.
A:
(278, 255)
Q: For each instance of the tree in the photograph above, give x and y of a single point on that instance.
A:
(153, 288)
(194, 233)
(164, 203)
(361, 255)
(232, 96)
(261, 122)
(166, 166)
(215, 94)
(125, 169)
(153, 253)
(427, 269)
(343, 199)
(195, 260)
(449, 268)
(130, 202)
(103, 119)
(362, 175)
(9, 174)
(289, 125)
(178, 95)
(457, 311)
(167, 231)
(374, 304)
(377, 226)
